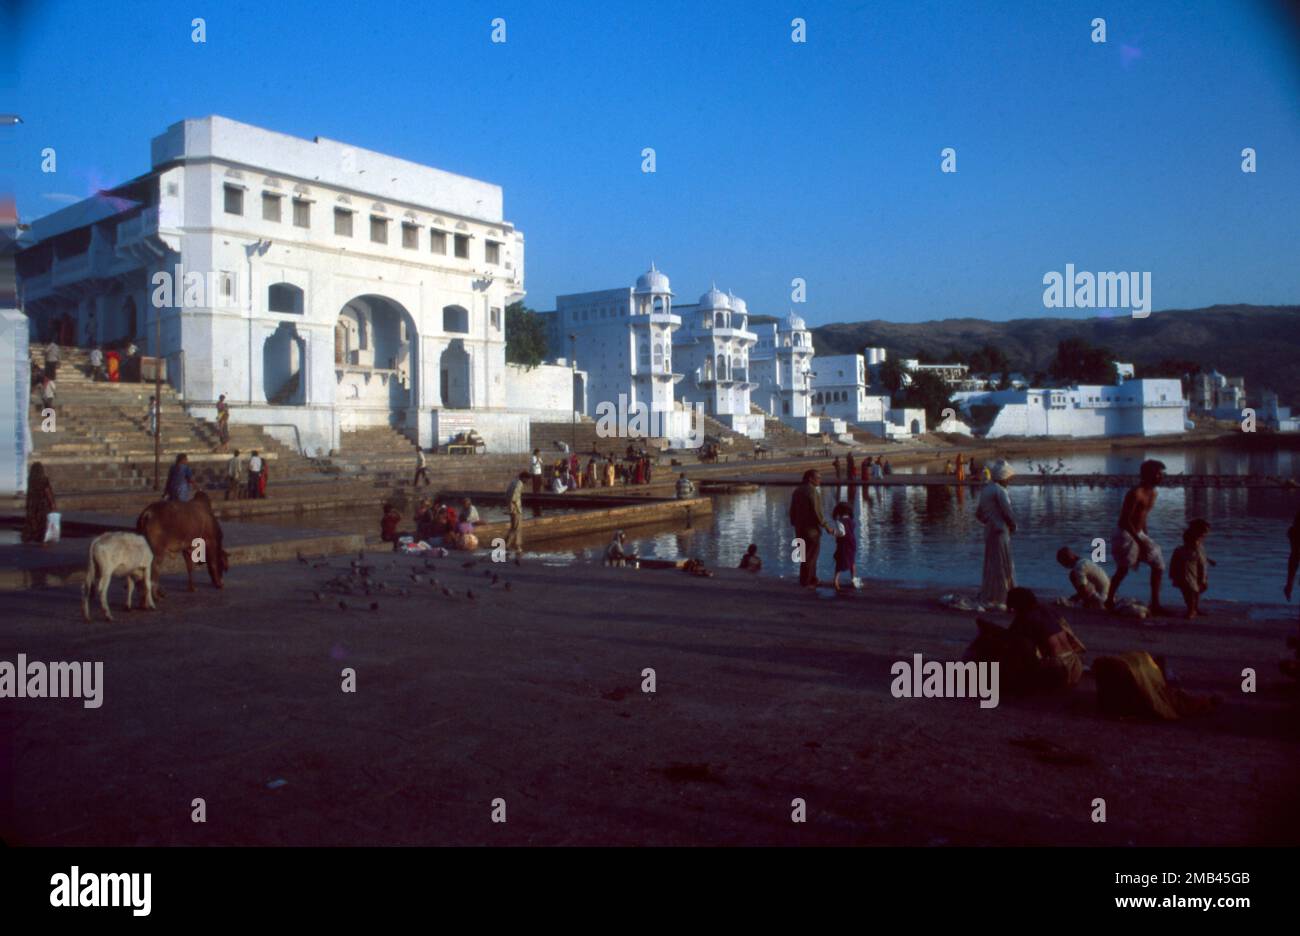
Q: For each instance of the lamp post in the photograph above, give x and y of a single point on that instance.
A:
(156, 415)
(573, 362)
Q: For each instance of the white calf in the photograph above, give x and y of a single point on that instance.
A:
(113, 554)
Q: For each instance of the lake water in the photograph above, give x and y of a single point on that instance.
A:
(930, 534)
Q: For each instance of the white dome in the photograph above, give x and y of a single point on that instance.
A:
(714, 299)
(738, 306)
(793, 323)
(652, 281)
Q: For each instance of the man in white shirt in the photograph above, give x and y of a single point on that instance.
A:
(535, 468)
(255, 466)
(421, 469)
(96, 364)
(1090, 581)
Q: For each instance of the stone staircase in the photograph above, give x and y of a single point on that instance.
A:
(733, 442)
(383, 460)
(777, 435)
(545, 435)
(102, 450)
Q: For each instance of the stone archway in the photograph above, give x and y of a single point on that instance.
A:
(376, 363)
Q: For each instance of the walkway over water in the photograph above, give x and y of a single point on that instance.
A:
(1053, 480)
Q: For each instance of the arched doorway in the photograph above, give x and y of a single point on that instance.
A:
(454, 374)
(376, 366)
(282, 358)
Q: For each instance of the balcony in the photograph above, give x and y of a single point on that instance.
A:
(738, 334)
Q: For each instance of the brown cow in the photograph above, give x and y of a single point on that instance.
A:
(173, 526)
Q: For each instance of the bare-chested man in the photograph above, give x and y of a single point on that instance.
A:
(1130, 543)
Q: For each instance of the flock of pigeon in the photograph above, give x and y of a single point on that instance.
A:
(361, 581)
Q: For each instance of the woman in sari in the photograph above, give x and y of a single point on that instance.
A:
(994, 511)
(609, 472)
(961, 467)
(223, 422)
(40, 502)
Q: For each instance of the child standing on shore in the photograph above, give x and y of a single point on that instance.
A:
(846, 543)
(1188, 566)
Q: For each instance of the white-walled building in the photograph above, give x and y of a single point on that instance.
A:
(839, 390)
(1135, 407)
(1272, 415)
(319, 286)
(712, 349)
(623, 339)
(781, 365)
(15, 411)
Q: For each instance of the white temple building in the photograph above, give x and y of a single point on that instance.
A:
(1134, 407)
(712, 349)
(623, 339)
(321, 287)
(781, 365)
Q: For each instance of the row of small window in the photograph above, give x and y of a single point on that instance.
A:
(834, 396)
(271, 211)
(583, 315)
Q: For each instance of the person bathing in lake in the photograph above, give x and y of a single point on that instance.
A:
(1188, 567)
(846, 543)
(616, 553)
(1130, 544)
(750, 561)
(1090, 581)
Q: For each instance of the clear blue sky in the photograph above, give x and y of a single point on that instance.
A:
(774, 159)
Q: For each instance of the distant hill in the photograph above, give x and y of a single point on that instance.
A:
(1260, 343)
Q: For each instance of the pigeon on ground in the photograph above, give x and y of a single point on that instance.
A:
(316, 595)
(469, 593)
(302, 558)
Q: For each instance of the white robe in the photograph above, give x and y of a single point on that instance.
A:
(994, 511)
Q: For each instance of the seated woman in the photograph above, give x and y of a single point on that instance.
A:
(1037, 652)
(1060, 662)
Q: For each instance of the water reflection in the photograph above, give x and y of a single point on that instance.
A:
(930, 534)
